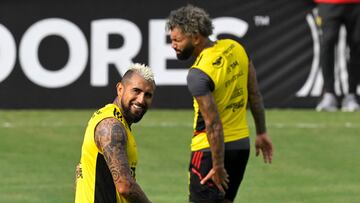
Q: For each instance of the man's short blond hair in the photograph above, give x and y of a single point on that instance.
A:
(141, 69)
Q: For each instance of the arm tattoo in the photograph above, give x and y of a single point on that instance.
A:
(256, 101)
(111, 140)
(214, 128)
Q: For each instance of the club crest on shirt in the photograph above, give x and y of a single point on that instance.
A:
(117, 114)
(218, 62)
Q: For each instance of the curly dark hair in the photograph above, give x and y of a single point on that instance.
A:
(191, 19)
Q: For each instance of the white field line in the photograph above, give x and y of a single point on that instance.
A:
(165, 124)
(313, 125)
(40, 124)
(6, 124)
(270, 125)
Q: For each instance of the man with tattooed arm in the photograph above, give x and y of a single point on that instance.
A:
(106, 172)
(222, 81)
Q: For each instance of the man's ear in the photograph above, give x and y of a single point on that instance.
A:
(119, 88)
(196, 39)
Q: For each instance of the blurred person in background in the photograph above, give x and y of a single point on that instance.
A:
(331, 15)
(106, 172)
(222, 80)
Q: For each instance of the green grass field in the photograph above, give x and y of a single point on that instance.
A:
(317, 157)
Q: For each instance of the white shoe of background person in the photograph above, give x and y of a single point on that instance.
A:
(349, 103)
(327, 103)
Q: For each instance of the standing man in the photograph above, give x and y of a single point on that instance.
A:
(222, 80)
(106, 173)
(331, 15)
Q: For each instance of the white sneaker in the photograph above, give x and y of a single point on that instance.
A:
(327, 103)
(349, 103)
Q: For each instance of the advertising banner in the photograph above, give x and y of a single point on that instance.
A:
(71, 54)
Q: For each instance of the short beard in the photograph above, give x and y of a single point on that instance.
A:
(186, 53)
(129, 116)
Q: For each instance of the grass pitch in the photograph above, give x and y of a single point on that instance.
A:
(317, 158)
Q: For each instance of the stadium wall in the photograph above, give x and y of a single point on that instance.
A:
(70, 54)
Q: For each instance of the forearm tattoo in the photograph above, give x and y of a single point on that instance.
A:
(256, 102)
(214, 128)
(111, 139)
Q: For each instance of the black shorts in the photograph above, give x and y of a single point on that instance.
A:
(201, 163)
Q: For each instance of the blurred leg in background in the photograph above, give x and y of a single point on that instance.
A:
(330, 19)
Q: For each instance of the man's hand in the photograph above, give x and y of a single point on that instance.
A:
(219, 176)
(263, 143)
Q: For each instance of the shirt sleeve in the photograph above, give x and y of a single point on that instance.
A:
(199, 83)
